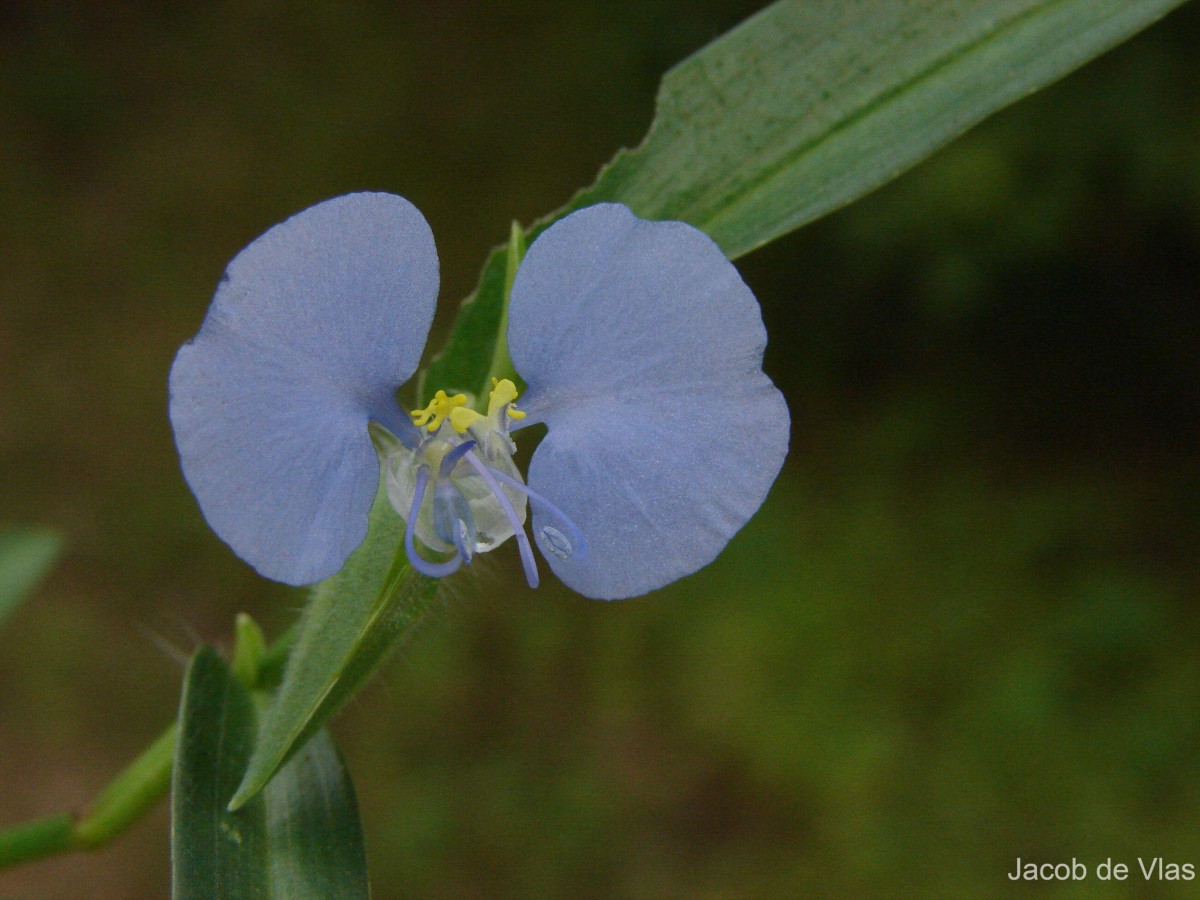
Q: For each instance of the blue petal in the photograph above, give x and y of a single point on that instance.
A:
(642, 349)
(313, 328)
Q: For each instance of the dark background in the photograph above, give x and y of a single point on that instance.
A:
(962, 629)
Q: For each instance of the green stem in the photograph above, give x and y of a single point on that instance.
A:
(130, 795)
(127, 797)
(31, 840)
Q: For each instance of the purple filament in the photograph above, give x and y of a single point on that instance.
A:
(424, 566)
(578, 544)
(527, 560)
(452, 518)
(450, 460)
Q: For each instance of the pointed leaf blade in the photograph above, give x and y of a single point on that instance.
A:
(807, 106)
(313, 827)
(214, 853)
(301, 838)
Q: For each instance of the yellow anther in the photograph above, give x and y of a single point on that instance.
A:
(463, 418)
(504, 393)
(438, 409)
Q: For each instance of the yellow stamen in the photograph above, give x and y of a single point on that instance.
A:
(438, 409)
(504, 393)
(463, 418)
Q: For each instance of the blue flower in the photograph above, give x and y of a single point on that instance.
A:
(641, 348)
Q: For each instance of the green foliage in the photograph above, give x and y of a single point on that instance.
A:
(32, 840)
(300, 838)
(214, 853)
(806, 107)
(351, 622)
(26, 555)
(313, 831)
(129, 796)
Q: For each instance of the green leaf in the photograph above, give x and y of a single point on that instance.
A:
(25, 556)
(809, 105)
(313, 830)
(215, 853)
(300, 838)
(350, 624)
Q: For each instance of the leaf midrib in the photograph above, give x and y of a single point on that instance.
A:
(747, 191)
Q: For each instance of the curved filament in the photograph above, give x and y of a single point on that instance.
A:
(450, 460)
(424, 566)
(527, 559)
(399, 425)
(578, 544)
(452, 518)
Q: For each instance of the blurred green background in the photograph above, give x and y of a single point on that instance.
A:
(964, 627)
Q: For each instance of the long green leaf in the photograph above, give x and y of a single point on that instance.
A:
(809, 105)
(26, 555)
(214, 853)
(300, 838)
(350, 624)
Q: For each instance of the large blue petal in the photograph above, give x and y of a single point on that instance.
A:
(313, 328)
(642, 349)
